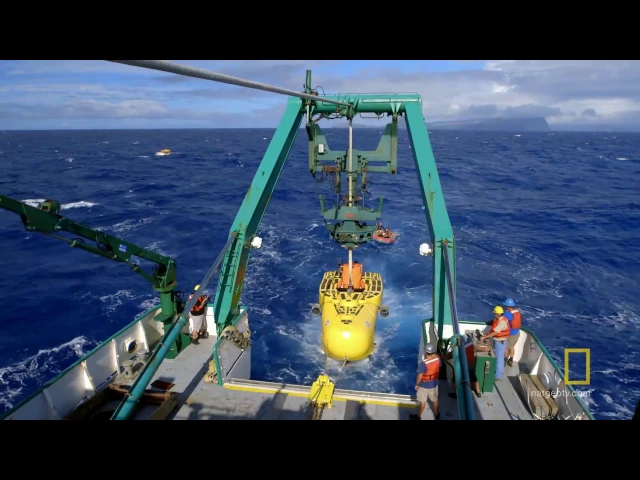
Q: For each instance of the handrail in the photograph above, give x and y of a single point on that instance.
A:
(470, 406)
(126, 407)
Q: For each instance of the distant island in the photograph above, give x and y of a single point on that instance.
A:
(535, 124)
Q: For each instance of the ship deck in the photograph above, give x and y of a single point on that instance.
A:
(249, 399)
(506, 402)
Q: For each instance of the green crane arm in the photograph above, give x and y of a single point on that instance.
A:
(46, 219)
(248, 218)
(440, 229)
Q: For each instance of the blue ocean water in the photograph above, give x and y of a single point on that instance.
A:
(550, 219)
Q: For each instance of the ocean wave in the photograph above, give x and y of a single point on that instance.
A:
(549, 219)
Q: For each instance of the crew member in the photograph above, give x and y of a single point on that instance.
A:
(197, 317)
(427, 381)
(514, 317)
(500, 332)
(470, 353)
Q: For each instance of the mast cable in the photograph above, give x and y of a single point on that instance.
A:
(186, 71)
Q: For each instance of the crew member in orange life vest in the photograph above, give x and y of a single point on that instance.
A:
(427, 380)
(197, 317)
(514, 317)
(500, 332)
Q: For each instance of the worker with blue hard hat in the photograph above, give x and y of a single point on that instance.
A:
(515, 321)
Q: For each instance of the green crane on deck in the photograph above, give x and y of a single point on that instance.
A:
(46, 219)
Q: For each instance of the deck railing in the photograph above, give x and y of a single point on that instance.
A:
(466, 406)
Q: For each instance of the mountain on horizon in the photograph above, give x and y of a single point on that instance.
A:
(533, 124)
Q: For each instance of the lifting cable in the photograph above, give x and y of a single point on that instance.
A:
(186, 71)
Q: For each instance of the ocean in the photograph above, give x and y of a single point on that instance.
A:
(550, 219)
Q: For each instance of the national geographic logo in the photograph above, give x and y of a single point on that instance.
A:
(567, 378)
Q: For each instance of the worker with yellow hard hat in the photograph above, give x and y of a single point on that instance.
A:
(500, 331)
(197, 317)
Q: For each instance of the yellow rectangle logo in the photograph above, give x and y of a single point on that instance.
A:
(587, 352)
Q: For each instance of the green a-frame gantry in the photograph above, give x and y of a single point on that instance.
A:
(349, 228)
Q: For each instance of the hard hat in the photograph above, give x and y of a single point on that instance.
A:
(429, 349)
(499, 310)
(196, 288)
(509, 302)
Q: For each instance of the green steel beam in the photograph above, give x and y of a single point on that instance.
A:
(437, 217)
(385, 155)
(379, 103)
(252, 210)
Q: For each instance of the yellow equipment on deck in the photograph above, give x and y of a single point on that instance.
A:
(321, 395)
(349, 308)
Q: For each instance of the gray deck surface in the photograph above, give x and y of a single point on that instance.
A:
(506, 401)
(202, 401)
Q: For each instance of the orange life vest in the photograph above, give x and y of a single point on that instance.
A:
(516, 323)
(433, 370)
(199, 305)
(504, 333)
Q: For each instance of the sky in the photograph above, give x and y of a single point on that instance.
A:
(97, 94)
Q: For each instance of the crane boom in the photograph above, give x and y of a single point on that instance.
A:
(47, 220)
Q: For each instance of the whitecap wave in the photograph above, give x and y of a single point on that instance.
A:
(38, 368)
(35, 202)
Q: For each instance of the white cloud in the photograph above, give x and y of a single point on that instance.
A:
(566, 92)
(559, 90)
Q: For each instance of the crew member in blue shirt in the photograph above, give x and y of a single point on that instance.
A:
(513, 315)
(427, 380)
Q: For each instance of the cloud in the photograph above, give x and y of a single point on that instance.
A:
(557, 90)
(96, 93)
